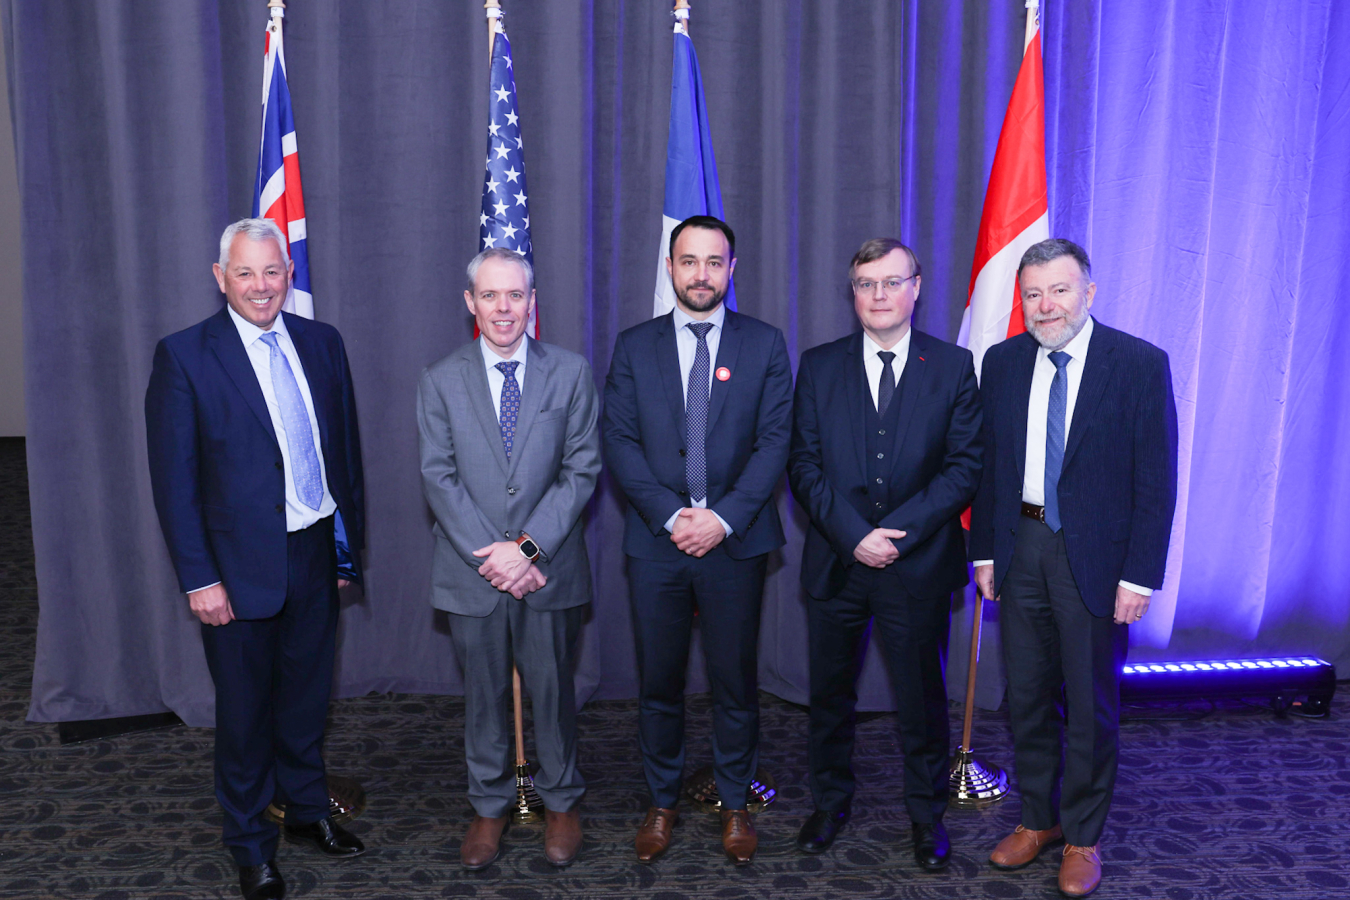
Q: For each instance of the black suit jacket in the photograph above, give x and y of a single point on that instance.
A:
(215, 464)
(749, 421)
(1118, 486)
(936, 452)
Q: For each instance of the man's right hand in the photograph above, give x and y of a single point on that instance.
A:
(876, 550)
(211, 605)
(531, 581)
(984, 581)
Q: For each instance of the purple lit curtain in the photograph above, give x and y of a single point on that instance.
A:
(1199, 151)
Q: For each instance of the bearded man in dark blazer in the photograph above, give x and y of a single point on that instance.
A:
(1069, 531)
(885, 456)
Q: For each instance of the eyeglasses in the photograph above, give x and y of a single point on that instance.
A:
(890, 285)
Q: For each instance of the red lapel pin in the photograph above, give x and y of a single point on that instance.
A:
(723, 373)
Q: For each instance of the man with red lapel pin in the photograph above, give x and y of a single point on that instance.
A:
(1069, 531)
(885, 455)
(698, 410)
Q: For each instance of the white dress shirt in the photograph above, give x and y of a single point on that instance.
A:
(686, 345)
(496, 380)
(1038, 410)
(872, 365)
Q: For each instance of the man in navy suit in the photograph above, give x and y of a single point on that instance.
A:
(698, 409)
(1070, 530)
(885, 456)
(254, 455)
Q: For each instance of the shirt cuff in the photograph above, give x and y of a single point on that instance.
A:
(725, 526)
(204, 587)
(670, 523)
(982, 562)
(1138, 589)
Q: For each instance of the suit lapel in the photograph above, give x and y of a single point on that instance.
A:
(1019, 393)
(480, 398)
(728, 349)
(1096, 374)
(539, 368)
(858, 397)
(910, 386)
(298, 329)
(229, 349)
(668, 369)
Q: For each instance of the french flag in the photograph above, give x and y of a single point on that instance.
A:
(1016, 208)
(277, 194)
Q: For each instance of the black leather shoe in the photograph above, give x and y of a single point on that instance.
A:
(932, 850)
(328, 836)
(818, 832)
(261, 882)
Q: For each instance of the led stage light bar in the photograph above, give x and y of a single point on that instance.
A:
(1284, 680)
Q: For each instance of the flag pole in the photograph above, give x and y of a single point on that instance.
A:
(493, 10)
(972, 784)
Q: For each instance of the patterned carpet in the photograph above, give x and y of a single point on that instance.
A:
(1211, 803)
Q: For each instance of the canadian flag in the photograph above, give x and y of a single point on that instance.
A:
(1016, 211)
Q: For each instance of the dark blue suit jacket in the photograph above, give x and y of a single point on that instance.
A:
(1118, 487)
(749, 421)
(936, 462)
(215, 463)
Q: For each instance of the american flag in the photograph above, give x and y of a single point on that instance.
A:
(505, 218)
(277, 194)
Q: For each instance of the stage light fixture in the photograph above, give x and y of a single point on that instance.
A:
(1305, 681)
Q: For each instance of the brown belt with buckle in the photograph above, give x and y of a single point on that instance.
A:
(1034, 512)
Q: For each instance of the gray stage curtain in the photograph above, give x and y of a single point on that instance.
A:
(136, 126)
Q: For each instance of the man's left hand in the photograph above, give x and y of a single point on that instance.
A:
(342, 583)
(1130, 607)
(504, 564)
(697, 531)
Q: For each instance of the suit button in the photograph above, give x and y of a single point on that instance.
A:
(878, 505)
(278, 465)
(506, 534)
(881, 456)
(879, 481)
(281, 508)
(511, 490)
(682, 451)
(882, 431)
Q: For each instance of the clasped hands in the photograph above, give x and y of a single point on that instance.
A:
(878, 549)
(507, 569)
(697, 530)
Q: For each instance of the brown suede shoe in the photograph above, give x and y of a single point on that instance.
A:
(562, 836)
(738, 836)
(1080, 871)
(482, 842)
(1023, 846)
(653, 835)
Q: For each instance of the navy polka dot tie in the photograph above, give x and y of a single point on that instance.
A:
(510, 404)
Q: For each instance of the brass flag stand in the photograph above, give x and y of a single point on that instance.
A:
(529, 807)
(972, 784)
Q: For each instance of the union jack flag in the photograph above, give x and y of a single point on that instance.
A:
(505, 219)
(277, 194)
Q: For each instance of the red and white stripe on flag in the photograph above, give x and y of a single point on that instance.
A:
(1016, 209)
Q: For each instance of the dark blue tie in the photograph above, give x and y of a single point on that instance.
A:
(1054, 437)
(886, 386)
(510, 404)
(696, 416)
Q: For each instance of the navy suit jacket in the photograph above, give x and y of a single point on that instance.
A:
(749, 421)
(215, 464)
(936, 457)
(1118, 486)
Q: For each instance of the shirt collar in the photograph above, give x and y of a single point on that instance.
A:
(248, 332)
(490, 358)
(718, 317)
(1076, 348)
(901, 349)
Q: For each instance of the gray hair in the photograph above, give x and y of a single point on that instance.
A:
(499, 253)
(257, 230)
(1054, 248)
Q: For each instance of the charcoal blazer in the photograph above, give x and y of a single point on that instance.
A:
(749, 423)
(935, 463)
(478, 496)
(219, 486)
(1117, 487)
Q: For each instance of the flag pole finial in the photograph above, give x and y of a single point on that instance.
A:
(681, 14)
(493, 10)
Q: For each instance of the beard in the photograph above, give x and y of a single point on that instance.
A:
(690, 302)
(1056, 336)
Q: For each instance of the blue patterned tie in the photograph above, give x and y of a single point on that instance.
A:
(510, 404)
(1054, 437)
(295, 419)
(696, 416)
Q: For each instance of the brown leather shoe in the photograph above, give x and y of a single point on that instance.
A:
(562, 836)
(482, 842)
(1023, 846)
(738, 836)
(653, 835)
(1080, 871)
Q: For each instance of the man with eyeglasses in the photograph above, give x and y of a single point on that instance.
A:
(885, 456)
(1069, 531)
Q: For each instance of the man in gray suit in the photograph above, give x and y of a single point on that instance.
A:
(510, 456)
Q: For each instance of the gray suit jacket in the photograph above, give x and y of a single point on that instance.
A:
(479, 497)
